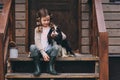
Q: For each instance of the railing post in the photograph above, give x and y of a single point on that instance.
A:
(12, 21)
(103, 50)
(1, 58)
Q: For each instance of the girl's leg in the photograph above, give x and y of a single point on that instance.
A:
(36, 59)
(52, 53)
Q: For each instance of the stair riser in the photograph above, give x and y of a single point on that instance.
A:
(61, 67)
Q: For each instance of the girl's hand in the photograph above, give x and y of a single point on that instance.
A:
(46, 57)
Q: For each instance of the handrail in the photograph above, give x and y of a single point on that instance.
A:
(4, 16)
(99, 16)
(5, 27)
(99, 37)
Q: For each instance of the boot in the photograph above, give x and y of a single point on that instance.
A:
(50, 67)
(37, 66)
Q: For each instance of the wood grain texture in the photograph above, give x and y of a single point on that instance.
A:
(1, 58)
(20, 7)
(44, 75)
(20, 1)
(20, 16)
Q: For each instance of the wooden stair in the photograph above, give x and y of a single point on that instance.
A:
(62, 75)
(79, 57)
(45, 75)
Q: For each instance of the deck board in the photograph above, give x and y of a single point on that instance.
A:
(81, 57)
(45, 75)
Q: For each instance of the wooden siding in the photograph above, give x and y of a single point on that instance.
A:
(20, 24)
(112, 20)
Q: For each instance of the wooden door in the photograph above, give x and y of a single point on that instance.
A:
(64, 14)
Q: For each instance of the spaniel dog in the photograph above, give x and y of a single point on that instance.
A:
(55, 38)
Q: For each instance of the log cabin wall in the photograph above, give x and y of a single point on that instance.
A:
(112, 20)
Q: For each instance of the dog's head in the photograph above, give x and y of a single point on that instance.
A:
(54, 31)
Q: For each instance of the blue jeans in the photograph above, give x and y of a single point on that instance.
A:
(53, 51)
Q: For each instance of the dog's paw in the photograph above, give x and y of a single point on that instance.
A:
(29, 54)
(64, 56)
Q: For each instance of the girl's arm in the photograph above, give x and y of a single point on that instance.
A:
(39, 45)
(38, 40)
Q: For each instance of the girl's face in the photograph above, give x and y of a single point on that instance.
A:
(45, 21)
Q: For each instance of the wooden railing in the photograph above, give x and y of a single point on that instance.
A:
(6, 34)
(99, 37)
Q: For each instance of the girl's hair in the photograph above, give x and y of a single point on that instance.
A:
(42, 13)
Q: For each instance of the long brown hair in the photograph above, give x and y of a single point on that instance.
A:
(43, 12)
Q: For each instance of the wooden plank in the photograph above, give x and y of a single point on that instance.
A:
(85, 7)
(85, 49)
(108, 16)
(20, 16)
(12, 22)
(79, 26)
(79, 57)
(4, 17)
(27, 29)
(1, 58)
(85, 16)
(113, 32)
(85, 32)
(20, 40)
(20, 24)
(20, 7)
(112, 16)
(20, 32)
(106, 7)
(103, 54)
(54, 1)
(109, 24)
(20, 1)
(112, 8)
(85, 24)
(103, 1)
(6, 49)
(21, 49)
(114, 49)
(113, 24)
(114, 41)
(84, 1)
(45, 75)
(85, 41)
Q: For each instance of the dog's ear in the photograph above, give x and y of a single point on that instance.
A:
(58, 29)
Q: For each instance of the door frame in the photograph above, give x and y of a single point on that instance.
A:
(79, 26)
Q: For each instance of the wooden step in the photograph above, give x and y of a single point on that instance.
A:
(45, 75)
(84, 57)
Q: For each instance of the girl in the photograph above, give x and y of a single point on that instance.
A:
(42, 48)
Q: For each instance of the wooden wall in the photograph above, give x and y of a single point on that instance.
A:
(20, 12)
(112, 20)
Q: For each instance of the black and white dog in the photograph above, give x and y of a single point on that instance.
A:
(58, 40)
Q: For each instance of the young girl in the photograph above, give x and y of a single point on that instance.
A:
(42, 48)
